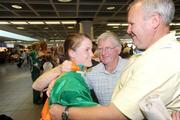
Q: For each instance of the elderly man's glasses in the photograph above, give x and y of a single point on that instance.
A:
(106, 49)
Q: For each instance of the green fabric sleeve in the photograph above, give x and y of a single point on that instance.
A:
(71, 90)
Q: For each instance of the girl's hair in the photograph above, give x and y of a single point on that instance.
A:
(43, 45)
(73, 41)
(35, 46)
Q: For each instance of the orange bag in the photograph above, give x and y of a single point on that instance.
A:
(45, 110)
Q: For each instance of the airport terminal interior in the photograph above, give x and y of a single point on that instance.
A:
(26, 22)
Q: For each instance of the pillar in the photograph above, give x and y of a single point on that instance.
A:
(86, 27)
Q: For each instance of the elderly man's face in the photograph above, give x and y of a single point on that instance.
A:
(108, 52)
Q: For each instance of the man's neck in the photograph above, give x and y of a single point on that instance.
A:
(112, 66)
(162, 31)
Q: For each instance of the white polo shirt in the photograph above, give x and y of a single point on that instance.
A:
(155, 71)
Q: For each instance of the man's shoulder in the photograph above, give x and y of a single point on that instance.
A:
(95, 70)
(124, 60)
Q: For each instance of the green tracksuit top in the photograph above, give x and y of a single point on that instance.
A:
(70, 89)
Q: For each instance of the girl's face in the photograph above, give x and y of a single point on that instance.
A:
(83, 54)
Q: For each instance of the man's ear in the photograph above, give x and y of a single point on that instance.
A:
(155, 20)
(71, 53)
(119, 49)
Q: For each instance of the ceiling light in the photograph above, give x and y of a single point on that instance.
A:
(115, 27)
(16, 6)
(4, 23)
(46, 28)
(20, 28)
(110, 8)
(18, 22)
(64, 0)
(113, 24)
(70, 27)
(19, 41)
(49, 44)
(178, 24)
(68, 22)
(36, 22)
(16, 36)
(52, 22)
(174, 24)
(124, 24)
(58, 40)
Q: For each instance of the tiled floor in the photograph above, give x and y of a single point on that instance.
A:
(16, 93)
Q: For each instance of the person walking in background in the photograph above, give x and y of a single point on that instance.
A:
(148, 74)
(35, 70)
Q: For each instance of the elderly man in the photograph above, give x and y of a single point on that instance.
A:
(148, 74)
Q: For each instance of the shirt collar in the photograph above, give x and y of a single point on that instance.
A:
(103, 70)
(162, 42)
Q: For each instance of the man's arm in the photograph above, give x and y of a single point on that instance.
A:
(109, 112)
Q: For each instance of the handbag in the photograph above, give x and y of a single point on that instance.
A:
(45, 110)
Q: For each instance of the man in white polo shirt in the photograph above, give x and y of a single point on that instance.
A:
(155, 71)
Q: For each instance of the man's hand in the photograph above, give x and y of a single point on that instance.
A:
(176, 116)
(56, 111)
(66, 66)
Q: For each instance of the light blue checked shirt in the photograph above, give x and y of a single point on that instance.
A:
(103, 82)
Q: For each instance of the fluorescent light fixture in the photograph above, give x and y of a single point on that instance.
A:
(4, 23)
(18, 22)
(70, 27)
(46, 28)
(174, 24)
(11, 41)
(19, 41)
(110, 8)
(20, 28)
(16, 6)
(178, 24)
(68, 22)
(64, 0)
(52, 40)
(177, 33)
(36, 23)
(49, 44)
(113, 24)
(15, 36)
(58, 40)
(115, 27)
(124, 24)
(52, 22)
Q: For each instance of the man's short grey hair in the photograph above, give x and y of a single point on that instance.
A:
(165, 8)
(115, 39)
